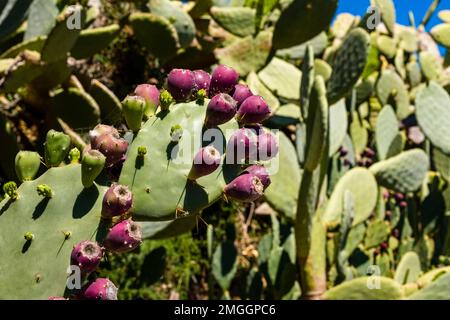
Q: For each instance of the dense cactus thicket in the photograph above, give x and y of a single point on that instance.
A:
(295, 153)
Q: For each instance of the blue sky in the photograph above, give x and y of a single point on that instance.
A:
(418, 7)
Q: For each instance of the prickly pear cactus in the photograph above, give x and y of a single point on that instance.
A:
(154, 198)
(38, 268)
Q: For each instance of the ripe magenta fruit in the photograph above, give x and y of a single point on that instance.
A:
(241, 92)
(245, 188)
(117, 200)
(151, 95)
(86, 255)
(261, 172)
(267, 146)
(202, 80)
(123, 237)
(243, 146)
(223, 80)
(221, 108)
(253, 110)
(206, 161)
(180, 83)
(101, 289)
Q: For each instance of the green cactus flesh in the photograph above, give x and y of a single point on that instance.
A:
(239, 21)
(38, 269)
(155, 198)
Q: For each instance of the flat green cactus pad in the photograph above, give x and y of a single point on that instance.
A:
(61, 39)
(441, 33)
(13, 13)
(41, 18)
(444, 15)
(388, 14)
(247, 54)
(431, 66)
(319, 43)
(361, 183)
(404, 172)
(349, 63)
(391, 89)
(386, 132)
(159, 180)
(148, 26)
(290, 28)
(76, 108)
(338, 125)
(433, 115)
(109, 104)
(377, 232)
(408, 39)
(366, 288)
(439, 289)
(35, 44)
(442, 163)
(387, 46)
(182, 22)
(283, 116)
(240, 21)
(38, 269)
(282, 78)
(282, 194)
(92, 41)
(408, 269)
(358, 131)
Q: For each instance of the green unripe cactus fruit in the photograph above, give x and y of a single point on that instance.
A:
(57, 146)
(165, 100)
(91, 165)
(28, 236)
(133, 108)
(74, 155)
(44, 190)
(27, 165)
(142, 151)
(10, 189)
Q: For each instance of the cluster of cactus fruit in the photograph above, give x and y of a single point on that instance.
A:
(363, 154)
(108, 152)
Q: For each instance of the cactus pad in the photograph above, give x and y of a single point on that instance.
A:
(437, 290)
(390, 87)
(290, 28)
(404, 172)
(386, 132)
(361, 183)
(441, 33)
(76, 108)
(109, 104)
(239, 21)
(348, 64)
(388, 14)
(147, 27)
(433, 115)
(282, 193)
(154, 198)
(408, 269)
(37, 269)
(92, 41)
(282, 78)
(360, 289)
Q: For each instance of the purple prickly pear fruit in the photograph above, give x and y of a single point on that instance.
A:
(241, 92)
(206, 161)
(221, 108)
(245, 188)
(261, 172)
(343, 151)
(100, 130)
(56, 298)
(368, 162)
(369, 153)
(202, 80)
(395, 233)
(151, 95)
(384, 246)
(388, 214)
(101, 289)
(180, 83)
(403, 204)
(117, 200)
(415, 135)
(123, 237)
(223, 80)
(243, 146)
(347, 162)
(86, 255)
(399, 196)
(253, 110)
(267, 146)
(112, 147)
(115, 170)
